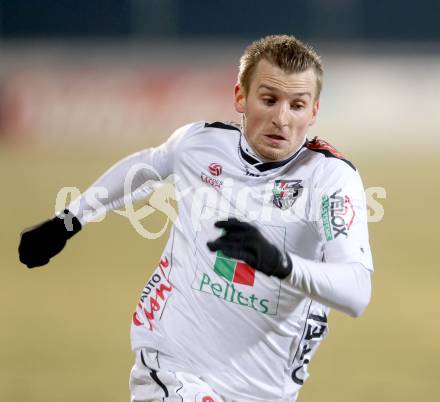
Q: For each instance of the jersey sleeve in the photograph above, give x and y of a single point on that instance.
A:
(342, 278)
(132, 179)
(340, 214)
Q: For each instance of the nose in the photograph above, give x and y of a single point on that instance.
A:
(280, 116)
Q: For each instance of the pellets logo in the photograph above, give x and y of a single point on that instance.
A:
(235, 282)
(337, 215)
(215, 169)
(234, 271)
(286, 192)
(219, 279)
(153, 297)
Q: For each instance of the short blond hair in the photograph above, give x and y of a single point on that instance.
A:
(284, 51)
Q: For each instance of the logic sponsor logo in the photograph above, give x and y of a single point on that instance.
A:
(202, 397)
(235, 282)
(215, 169)
(337, 215)
(153, 297)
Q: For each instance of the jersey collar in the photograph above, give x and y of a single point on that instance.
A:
(248, 154)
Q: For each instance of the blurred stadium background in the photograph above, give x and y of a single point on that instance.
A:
(84, 83)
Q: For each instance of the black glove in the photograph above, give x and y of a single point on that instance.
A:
(39, 243)
(245, 242)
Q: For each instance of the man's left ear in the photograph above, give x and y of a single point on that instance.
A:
(314, 113)
(239, 99)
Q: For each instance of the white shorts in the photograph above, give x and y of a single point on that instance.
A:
(148, 383)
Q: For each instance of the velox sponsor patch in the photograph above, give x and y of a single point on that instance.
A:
(337, 215)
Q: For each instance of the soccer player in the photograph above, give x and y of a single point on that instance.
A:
(271, 234)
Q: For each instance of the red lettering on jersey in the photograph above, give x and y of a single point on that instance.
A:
(154, 303)
(136, 320)
(158, 295)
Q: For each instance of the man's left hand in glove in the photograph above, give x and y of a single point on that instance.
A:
(245, 242)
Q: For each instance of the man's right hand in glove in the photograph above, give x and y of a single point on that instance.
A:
(39, 243)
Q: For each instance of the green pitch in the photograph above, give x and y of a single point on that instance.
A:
(65, 328)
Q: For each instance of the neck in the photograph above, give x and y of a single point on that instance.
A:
(249, 149)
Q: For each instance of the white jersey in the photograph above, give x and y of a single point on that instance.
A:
(250, 336)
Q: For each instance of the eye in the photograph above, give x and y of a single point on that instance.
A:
(269, 101)
(298, 106)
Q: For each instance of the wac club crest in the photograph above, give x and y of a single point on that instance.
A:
(286, 192)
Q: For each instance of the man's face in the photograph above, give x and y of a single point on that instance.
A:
(278, 110)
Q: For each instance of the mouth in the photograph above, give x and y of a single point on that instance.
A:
(275, 137)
